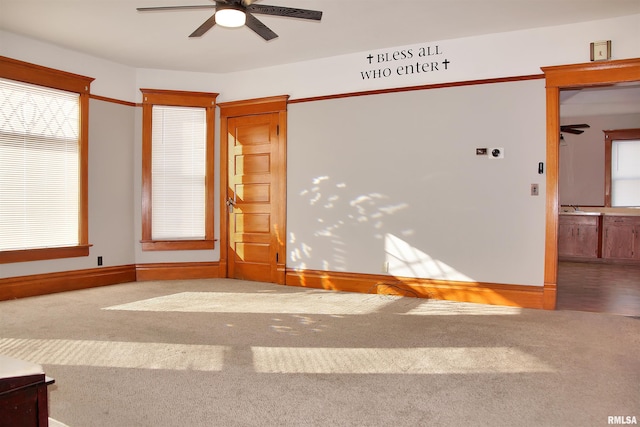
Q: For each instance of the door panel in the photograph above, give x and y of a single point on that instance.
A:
(253, 223)
(254, 193)
(253, 145)
(257, 163)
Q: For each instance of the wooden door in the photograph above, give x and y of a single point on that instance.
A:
(255, 198)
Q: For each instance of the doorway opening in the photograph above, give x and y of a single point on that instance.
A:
(582, 77)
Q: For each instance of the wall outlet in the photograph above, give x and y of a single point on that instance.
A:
(385, 267)
(99, 260)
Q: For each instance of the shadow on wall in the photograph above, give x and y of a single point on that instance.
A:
(349, 232)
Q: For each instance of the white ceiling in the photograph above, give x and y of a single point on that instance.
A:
(114, 30)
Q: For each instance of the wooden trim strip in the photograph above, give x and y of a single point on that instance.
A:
(114, 101)
(26, 72)
(551, 203)
(39, 254)
(178, 98)
(592, 73)
(483, 293)
(49, 283)
(178, 271)
(271, 104)
(421, 87)
(524, 296)
(168, 245)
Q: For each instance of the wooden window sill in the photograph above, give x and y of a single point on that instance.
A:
(40, 254)
(177, 245)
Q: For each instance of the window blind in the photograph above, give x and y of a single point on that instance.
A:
(178, 173)
(625, 173)
(39, 166)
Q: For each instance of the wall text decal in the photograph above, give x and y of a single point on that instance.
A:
(404, 62)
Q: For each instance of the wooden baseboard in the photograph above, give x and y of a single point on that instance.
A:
(549, 296)
(484, 293)
(525, 296)
(591, 260)
(49, 283)
(178, 271)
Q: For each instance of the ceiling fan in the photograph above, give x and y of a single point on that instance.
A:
(574, 129)
(236, 13)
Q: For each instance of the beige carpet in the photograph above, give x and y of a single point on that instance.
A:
(235, 353)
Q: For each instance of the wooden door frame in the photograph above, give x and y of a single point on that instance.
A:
(569, 77)
(274, 104)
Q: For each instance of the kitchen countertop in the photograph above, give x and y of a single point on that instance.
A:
(634, 212)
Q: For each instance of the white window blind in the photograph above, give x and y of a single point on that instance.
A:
(178, 173)
(39, 166)
(625, 173)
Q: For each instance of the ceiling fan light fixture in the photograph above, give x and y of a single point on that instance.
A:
(230, 17)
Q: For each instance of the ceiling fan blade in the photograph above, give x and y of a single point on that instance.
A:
(571, 130)
(583, 125)
(151, 9)
(288, 12)
(262, 30)
(206, 26)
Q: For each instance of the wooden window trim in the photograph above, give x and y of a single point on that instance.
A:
(609, 137)
(25, 72)
(206, 100)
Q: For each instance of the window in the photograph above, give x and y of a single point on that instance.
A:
(43, 163)
(622, 168)
(625, 173)
(177, 170)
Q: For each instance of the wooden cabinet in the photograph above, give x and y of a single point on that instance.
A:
(579, 236)
(608, 237)
(621, 238)
(23, 394)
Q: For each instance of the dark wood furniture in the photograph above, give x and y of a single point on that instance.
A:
(23, 394)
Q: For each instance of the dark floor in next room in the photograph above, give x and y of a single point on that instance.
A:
(599, 287)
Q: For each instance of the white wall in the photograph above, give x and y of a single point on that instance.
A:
(395, 178)
(111, 79)
(498, 55)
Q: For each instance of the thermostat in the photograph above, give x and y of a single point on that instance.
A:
(496, 153)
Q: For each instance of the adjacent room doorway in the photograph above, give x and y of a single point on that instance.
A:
(570, 77)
